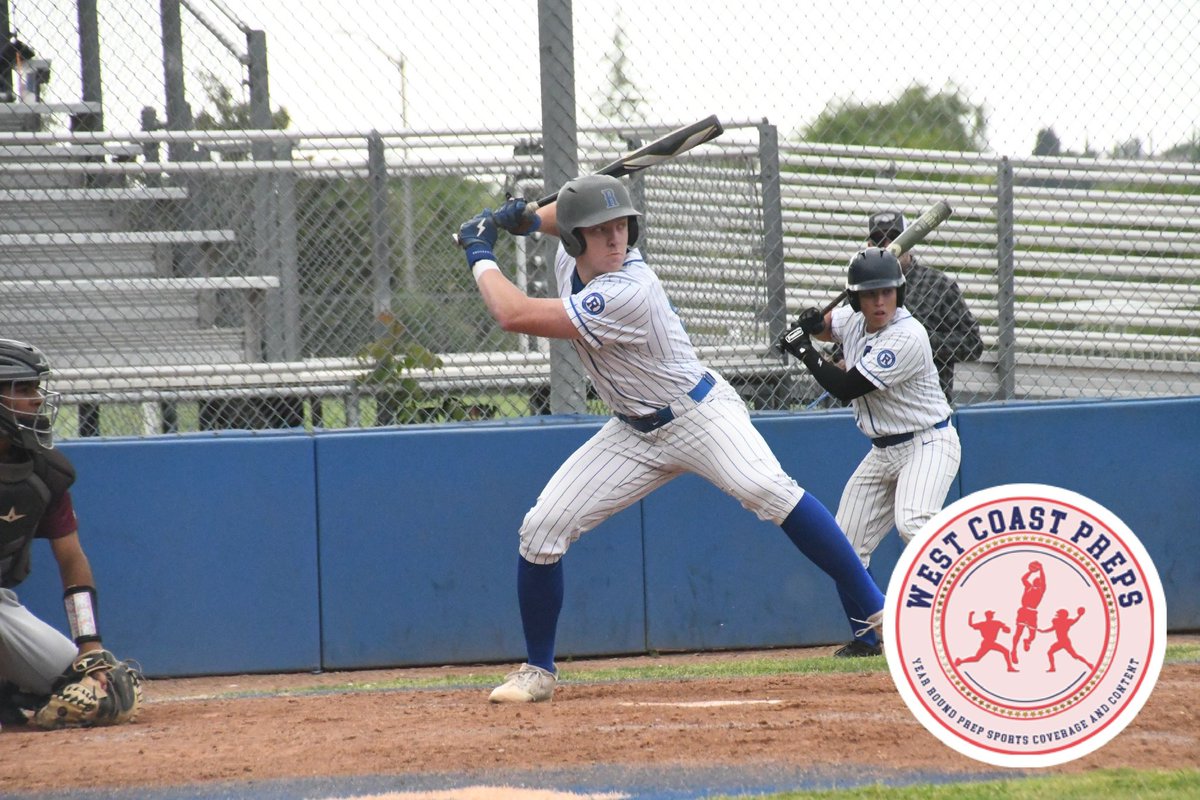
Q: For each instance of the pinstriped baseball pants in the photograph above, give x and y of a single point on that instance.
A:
(619, 466)
(904, 486)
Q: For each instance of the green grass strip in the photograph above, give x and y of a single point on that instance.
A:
(582, 672)
(1180, 784)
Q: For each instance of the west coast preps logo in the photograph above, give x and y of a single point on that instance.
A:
(593, 303)
(1026, 625)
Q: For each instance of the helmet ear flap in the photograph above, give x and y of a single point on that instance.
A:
(854, 303)
(633, 230)
(900, 295)
(573, 242)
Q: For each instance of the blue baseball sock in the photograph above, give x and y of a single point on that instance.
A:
(540, 595)
(813, 529)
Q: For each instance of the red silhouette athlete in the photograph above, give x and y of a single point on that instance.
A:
(1061, 625)
(990, 630)
(1034, 581)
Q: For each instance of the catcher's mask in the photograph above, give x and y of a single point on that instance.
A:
(588, 201)
(874, 268)
(29, 425)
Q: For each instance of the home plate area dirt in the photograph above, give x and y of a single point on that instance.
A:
(253, 729)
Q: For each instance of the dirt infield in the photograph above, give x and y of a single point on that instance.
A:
(241, 728)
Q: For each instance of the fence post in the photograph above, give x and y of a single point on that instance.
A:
(568, 389)
(381, 239)
(1006, 279)
(89, 68)
(775, 312)
(289, 256)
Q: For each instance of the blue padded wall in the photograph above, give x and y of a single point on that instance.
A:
(717, 577)
(1139, 459)
(203, 548)
(286, 551)
(419, 547)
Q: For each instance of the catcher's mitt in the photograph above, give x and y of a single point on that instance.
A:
(95, 690)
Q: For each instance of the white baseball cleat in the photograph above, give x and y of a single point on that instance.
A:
(529, 684)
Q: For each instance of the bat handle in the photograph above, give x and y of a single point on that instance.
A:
(834, 303)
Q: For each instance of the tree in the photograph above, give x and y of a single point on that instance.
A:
(228, 115)
(1185, 151)
(917, 119)
(623, 103)
(1047, 143)
(1129, 149)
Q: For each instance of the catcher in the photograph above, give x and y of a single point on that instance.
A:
(45, 678)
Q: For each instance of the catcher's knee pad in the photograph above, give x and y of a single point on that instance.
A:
(95, 690)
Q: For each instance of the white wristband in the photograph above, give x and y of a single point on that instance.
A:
(80, 602)
(482, 266)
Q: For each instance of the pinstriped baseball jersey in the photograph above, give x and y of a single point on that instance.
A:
(898, 360)
(633, 343)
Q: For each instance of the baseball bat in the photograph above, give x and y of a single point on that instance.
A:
(673, 144)
(915, 233)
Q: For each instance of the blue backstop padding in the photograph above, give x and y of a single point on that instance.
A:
(419, 547)
(1139, 459)
(717, 577)
(204, 550)
(258, 552)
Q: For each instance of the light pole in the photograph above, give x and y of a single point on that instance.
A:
(400, 62)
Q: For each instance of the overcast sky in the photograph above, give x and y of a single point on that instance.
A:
(1099, 72)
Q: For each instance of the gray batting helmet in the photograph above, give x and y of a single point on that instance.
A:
(874, 268)
(24, 362)
(588, 201)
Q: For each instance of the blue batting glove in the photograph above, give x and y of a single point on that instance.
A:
(516, 218)
(477, 236)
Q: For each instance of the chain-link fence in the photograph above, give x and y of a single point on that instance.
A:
(239, 216)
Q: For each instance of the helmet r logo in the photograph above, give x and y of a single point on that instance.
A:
(610, 199)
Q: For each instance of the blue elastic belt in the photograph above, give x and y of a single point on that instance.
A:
(901, 438)
(661, 417)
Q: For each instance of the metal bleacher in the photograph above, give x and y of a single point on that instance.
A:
(1080, 271)
(84, 275)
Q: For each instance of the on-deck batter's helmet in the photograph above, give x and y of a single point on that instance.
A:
(24, 362)
(588, 201)
(874, 268)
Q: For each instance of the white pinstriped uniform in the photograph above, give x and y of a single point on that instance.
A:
(903, 484)
(640, 359)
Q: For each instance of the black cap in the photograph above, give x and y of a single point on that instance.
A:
(885, 225)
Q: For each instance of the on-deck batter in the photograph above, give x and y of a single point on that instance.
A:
(672, 413)
(892, 384)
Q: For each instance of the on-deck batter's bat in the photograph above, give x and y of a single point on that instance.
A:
(675, 143)
(938, 213)
(935, 215)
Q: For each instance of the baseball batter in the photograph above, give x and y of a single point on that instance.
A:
(892, 384)
(672, 414)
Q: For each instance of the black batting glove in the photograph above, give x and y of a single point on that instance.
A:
(811, 320)
(795, 341)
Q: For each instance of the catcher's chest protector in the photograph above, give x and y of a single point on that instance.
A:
(24, 497)
(26, 491)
